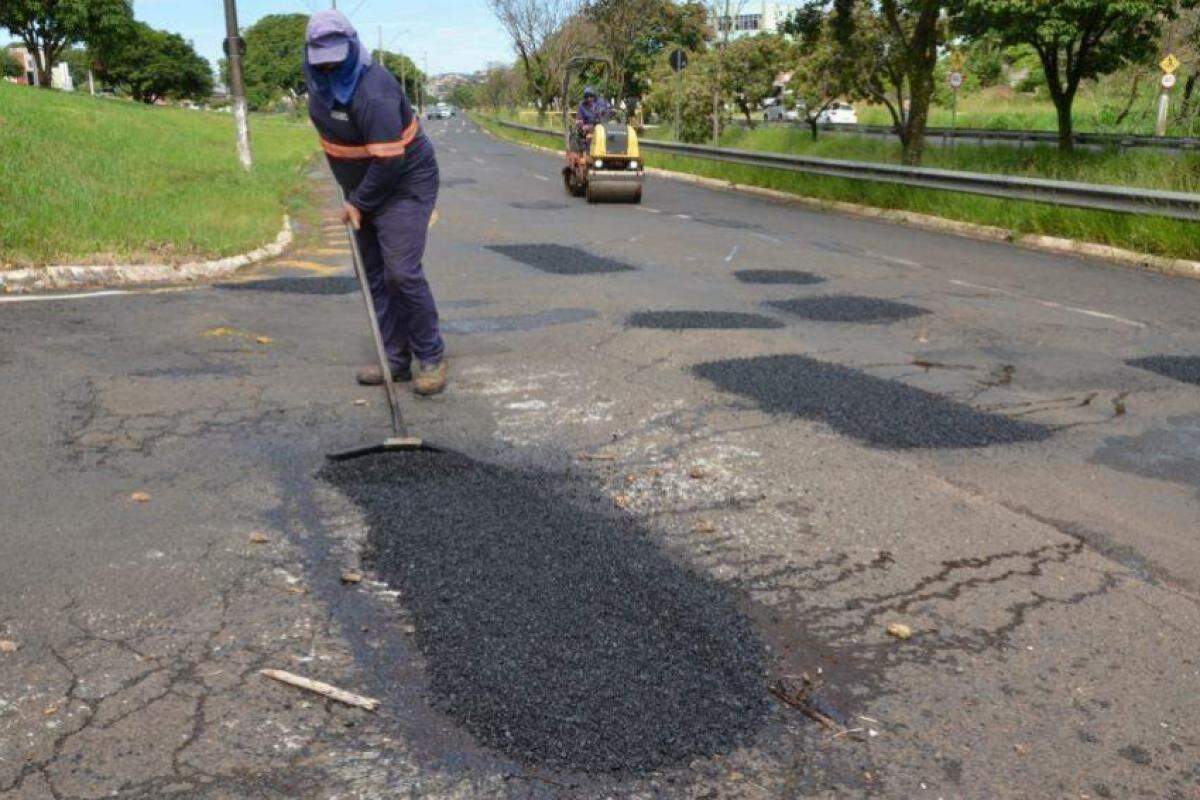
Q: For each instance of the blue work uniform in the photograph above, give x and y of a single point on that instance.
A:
(387, 168)
(595, 114)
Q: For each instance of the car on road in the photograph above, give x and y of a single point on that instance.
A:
(440, 111)
(838, 114)
(775, 111)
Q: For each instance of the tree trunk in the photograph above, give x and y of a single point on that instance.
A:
(912, 136)
(812, 123)
(1064, 103)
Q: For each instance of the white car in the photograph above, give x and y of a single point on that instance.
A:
(773, 111)
(838, 114)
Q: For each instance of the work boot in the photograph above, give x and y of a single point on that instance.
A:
(431, 378)
(371, 376)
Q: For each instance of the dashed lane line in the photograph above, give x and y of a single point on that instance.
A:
(1051, 304)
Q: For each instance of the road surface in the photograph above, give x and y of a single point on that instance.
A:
(657, 562)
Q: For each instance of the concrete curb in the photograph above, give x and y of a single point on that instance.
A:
(1046, 244)
(75, 277)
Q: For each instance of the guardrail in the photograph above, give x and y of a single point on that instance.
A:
(1119, 141)
(1093, 196)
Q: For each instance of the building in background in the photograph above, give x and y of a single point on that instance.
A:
(753, 17)
(60, 74)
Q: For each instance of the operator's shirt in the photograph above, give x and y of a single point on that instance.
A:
(593, 115)
(374, 143)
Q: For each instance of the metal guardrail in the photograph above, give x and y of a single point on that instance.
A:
(1093, 196)
(1117, 141)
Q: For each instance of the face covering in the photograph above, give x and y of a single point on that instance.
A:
(338, 86)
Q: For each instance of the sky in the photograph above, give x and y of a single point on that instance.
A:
(455, 35)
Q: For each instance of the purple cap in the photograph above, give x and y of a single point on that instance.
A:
(328, 37)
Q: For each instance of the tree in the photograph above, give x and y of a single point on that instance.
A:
(694, 95)
(463, 95)
(274, 61)
(540, 37)
(153, 65)
(47, 27)
(891, 46)
(825, 72)
(632, 34)
(751, 66)
(1075, 39)
(501, 87)
(405, 71)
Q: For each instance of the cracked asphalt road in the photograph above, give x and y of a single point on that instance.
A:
(1053, 587)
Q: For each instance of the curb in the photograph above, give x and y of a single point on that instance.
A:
(75, 277)
(1030, 241)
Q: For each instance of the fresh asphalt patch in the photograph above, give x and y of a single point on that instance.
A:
(554, 629)
(334, 284)
(778, 276)
(1185, 369)
(701, 320)
(883, 413)
(848, 308)
(559, 260)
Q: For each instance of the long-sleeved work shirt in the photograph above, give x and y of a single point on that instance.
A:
(373, 142)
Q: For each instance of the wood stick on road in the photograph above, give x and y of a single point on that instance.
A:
(323, 689)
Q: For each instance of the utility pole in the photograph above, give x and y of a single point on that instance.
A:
(235, 46)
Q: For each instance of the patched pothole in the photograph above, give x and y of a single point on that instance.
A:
(883, 413)
(559, 260)
(848, 308)
(701, 320)
(778, 276)
(554, 631)
(1185, 369)
(334, 284)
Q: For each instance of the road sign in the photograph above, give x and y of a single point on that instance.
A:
(1170, 65)
(679, 60)
(1168, 81)
(956, 80)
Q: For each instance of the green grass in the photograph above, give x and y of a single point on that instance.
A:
(1167, 237)
(89, 180)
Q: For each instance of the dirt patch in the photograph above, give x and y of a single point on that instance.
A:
(559, 260)
(883, 413)
(556, 632)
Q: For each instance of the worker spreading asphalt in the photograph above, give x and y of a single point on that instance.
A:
(555, 631)
(880, 412)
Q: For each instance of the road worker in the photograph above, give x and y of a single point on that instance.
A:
(389, 174)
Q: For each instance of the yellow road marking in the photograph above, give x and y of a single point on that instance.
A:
(309, 266)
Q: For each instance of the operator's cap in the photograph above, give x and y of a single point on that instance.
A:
(328, 37)
(589, 92)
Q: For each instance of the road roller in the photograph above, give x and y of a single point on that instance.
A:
(605, 166)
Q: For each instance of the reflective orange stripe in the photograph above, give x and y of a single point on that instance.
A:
(377, 150)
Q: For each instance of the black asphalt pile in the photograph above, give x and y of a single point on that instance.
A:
(540, 205)
(848, 308)
(554, 631)
(336, 284)
(778, 276)
(701, 320)
(1185, 369)
(883, 413)
(560, 260)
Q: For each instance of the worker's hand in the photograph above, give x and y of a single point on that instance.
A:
(352, 215)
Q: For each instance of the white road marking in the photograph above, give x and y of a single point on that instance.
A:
(540, 177)
(732, 253)
(36, 298)
(682, 216)
(769, 238)
(478, 160)
(648, 210)
(1051, 304)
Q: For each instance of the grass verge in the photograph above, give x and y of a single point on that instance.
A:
(1156, 235)
(90, 180)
